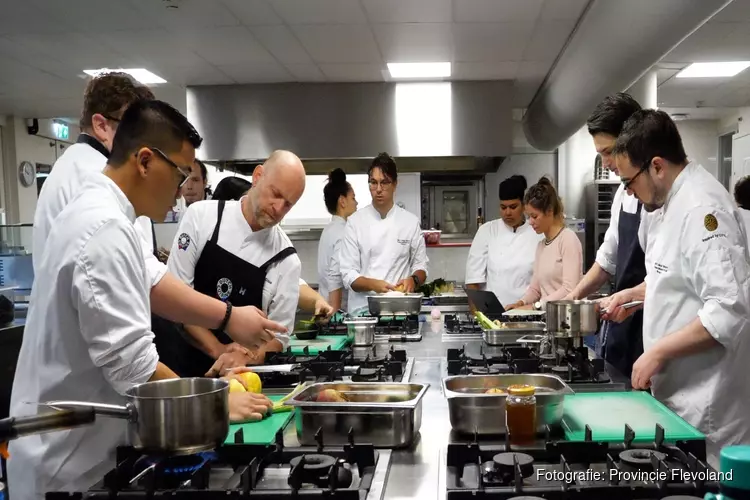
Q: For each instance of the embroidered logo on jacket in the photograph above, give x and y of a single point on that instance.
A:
(224, 288)
(183, 241)
(710, 222)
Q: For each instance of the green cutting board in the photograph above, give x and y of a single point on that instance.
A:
(319, 344)
(263, 432)
(606, 413)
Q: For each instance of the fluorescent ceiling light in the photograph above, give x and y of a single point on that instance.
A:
(420, 70)
(144, 76)
(713, 69)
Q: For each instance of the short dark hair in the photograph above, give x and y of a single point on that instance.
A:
(108, 93)
(231, 188)
(153, 124)
(543, 196)
(335, 188)
(512, 188)
(610, 115)
(204, 170)
(742, 192)
(647, 134)
(386, 164)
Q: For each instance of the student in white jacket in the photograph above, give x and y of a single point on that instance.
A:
(383, 247)
(696, 317)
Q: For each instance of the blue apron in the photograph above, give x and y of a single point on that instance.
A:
(622, 343)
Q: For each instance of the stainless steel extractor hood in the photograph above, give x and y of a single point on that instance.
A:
(439, 127)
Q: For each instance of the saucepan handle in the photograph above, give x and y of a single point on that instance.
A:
(16, 427)
(106, 410)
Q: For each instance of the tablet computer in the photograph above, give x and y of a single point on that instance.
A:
(486, 302)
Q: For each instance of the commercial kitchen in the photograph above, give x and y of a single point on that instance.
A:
(442, 385)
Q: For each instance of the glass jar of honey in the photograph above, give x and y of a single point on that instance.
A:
(520, 414)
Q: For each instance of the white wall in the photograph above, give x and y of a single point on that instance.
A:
(739, 121)
(700, 138)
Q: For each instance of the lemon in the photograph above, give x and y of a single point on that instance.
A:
(235, 386)
(252, 382)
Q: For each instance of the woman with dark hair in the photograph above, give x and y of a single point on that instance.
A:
(501, 258)
(558, 264)
(341, 203)
(742, 198)
(231, 188)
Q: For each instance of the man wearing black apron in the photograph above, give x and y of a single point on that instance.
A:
(620, 254)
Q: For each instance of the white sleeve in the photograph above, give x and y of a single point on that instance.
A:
(606, 256)
(419, 258)
(155, 269)
(333, 272)
(302, 282)
(719, 271)
(111, 298)
(282, 306)
(186, 248)
(350, 266)
(476, 262)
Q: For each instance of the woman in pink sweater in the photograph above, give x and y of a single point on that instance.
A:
(558, 265)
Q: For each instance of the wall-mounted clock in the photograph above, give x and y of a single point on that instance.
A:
(26, 173)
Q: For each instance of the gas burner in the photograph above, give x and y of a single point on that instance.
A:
(559, 370)
(505, 463)
(316, 469)
(366, 374)
(548, 358)
(640, 460)
(484, 370)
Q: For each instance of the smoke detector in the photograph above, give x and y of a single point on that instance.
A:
(680, 116)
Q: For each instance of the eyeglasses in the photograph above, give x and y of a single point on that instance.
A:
(627, 182)
(384, 184)
(181, 170)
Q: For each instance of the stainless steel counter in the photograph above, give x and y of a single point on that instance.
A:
(418, 472)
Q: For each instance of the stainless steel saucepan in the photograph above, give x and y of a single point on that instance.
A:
(576, 318)
(176, 416)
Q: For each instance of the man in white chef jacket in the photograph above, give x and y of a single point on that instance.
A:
(696, 325)
(105, 100)
(236, 251)
(383, 248)
(501, 258)
(87, 336)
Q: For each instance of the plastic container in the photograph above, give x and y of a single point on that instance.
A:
(520, 414)
(432, 236)
(734, 480)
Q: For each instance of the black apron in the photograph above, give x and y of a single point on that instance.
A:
(222, 275)
(623, 342)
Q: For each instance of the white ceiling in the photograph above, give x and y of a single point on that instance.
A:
(45, 45)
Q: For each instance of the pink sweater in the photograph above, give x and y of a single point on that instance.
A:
(558, 268)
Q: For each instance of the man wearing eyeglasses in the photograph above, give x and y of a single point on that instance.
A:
(620, 254)
(696, 318)
(383, 248)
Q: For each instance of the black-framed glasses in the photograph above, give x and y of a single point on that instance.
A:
(384, 183)
(180, 170)
(627, 183)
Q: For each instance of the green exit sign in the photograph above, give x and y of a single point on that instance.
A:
(61, 130)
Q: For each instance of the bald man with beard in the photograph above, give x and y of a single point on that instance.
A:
(236, 251)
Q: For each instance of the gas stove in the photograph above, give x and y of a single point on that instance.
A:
(572, 366)
(462, 325)
(398, 329)
(376, 363)
(553, 469)
(244, 471)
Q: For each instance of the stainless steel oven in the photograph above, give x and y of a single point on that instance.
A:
(452, 207)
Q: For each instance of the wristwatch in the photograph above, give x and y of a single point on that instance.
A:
(416, 280)
(538, 305)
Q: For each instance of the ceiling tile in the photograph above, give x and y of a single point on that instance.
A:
(320, 11)
(78, 50)
(415, 42)
(96, 16)
(306, 72)
(30, 57)
(562, 9)
(702, 45)
(227, 46)
(408, 11)
(21, 17)
(257, 73)
(533, 70)
(476, 42)
(353, 72)
(495, 11)
(485, 71)
(282, 44)
(189, 14)
(152, 46)
(547, 41)
(333, 44)
(253, 12)
(738, 10)
(193, 74)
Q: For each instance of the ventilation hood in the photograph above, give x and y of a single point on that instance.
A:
(446, 127)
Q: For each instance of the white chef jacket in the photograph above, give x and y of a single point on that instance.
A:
(745, 214)
(389, 249)
(68, 174)
(87, 338)
(503, 259)
(329, 262)
(698, 266)
(606, 256)
(281, 292)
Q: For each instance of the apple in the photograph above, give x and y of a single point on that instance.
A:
(494, 390)
(330, 396)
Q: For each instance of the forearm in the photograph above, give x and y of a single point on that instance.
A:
(421, 276)
(204, 340)
(307, 298)
(690, 339)
(636, 293)
(591, 282)
(335, 298)
(174, 300)
(162, 372)
(363, 285)
(474, 286)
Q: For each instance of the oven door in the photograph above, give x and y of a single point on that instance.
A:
(454, 210)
